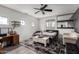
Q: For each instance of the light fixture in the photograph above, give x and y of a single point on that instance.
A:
(22, 22)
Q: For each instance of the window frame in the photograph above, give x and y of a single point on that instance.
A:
(3, 21)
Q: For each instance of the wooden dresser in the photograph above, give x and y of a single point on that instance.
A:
(13, 39)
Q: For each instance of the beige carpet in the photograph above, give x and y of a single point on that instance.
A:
(21, 50)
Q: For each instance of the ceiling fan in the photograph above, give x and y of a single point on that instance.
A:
(43, 9)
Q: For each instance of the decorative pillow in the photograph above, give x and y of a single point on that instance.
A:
(50, 31)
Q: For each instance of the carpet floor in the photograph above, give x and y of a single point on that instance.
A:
(28, 47)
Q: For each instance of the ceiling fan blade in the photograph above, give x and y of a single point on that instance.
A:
(37, 12)
(43, 7)
(43, 12)
(50, 10)
(37, 8)
(42, 4)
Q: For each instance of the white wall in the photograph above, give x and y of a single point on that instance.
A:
(26, 30)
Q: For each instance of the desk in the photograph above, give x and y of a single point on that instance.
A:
(14, 40)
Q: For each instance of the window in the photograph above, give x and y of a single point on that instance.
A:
(33, 24)
(53, 24)
(3, 20)
(47, 24)
(50, 24)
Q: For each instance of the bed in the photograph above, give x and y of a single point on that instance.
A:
(51, 34)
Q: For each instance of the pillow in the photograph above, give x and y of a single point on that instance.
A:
(50, 31)
(47, 33)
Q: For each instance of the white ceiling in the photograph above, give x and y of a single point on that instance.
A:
(57, 9)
